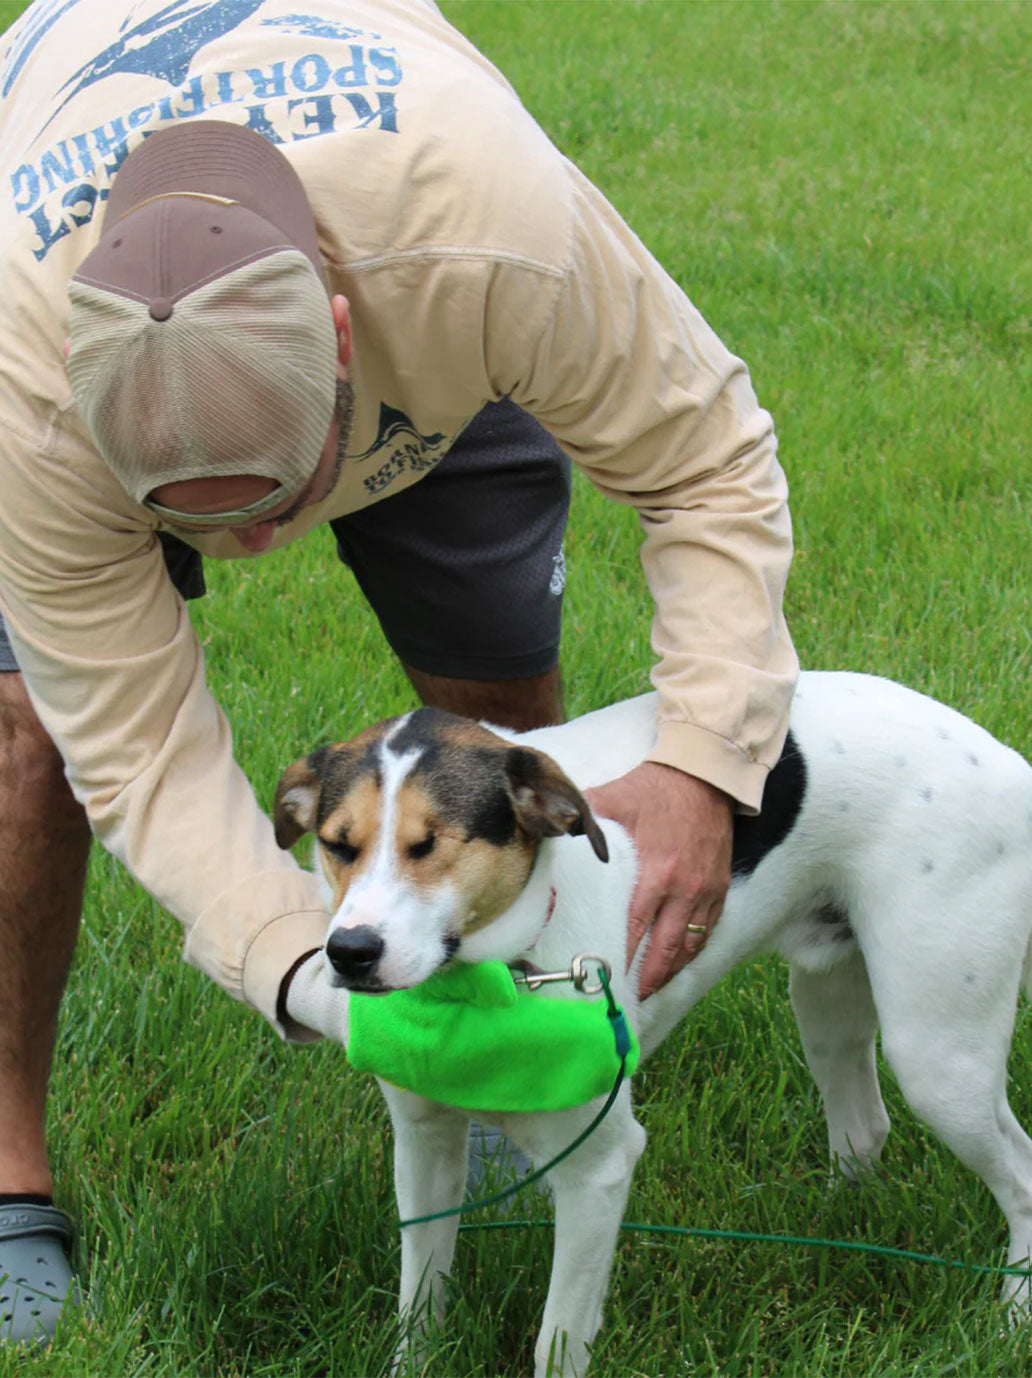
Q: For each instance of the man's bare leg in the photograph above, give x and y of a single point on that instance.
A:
(44, 845)
(518, 703)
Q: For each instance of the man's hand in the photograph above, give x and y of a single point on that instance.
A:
(681, 828)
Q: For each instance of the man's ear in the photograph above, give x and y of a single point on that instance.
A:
(342, 325)
(546, 802)
(297, 798)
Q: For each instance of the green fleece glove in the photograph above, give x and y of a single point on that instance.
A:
(470, 1037)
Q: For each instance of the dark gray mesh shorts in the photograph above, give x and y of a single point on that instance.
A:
(7, 660)
(464, 570)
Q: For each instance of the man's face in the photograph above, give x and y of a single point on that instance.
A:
(228, 493)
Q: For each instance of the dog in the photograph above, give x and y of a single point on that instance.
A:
(890, 865)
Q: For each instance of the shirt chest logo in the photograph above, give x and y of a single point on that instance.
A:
(399, 449)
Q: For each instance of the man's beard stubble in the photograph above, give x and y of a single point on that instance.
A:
(344, 414)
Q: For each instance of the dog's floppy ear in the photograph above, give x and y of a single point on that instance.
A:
(546, 802)
(297, 798)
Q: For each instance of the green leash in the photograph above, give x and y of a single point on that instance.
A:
(622, 1037)
(745, 1237)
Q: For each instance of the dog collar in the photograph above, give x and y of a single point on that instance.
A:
(471, 1038)
(547, 920)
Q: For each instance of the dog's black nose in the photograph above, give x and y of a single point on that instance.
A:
(354, 951)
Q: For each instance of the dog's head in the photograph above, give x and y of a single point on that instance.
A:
(427, 827)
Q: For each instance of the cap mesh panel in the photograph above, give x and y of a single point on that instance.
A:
(240, 379)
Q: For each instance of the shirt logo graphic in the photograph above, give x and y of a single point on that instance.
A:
(164, 45)
(313, 27)
(34, 28)
(408, 450)
(330, 77)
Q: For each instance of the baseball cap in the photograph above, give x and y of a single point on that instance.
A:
(202, 340)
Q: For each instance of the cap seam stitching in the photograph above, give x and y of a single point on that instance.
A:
(199, 282)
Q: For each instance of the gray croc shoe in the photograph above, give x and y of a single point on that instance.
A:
(35, 1275)
(495, 1162)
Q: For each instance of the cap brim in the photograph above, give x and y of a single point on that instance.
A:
(218, 159)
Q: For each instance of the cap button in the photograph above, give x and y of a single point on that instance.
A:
(160, 309)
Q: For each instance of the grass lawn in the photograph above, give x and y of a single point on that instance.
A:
(844, 190)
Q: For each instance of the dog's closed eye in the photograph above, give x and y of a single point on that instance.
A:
(423, 848)
(340, 848)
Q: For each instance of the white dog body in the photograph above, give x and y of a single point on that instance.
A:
(891, 866)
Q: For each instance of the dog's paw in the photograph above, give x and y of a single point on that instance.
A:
(420, 1346)
(411, 1357)
(1016, 1297)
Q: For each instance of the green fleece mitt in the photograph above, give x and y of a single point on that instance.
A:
(469, 1037)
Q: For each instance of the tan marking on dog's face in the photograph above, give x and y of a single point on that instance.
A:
(500, 876)
(349, 835)
(430, 853)
(428, 828)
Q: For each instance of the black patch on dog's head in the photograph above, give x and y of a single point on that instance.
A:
(339, 772)
(421, 730)
(467, 782)
(469, 789)
(783, 796)
(493, 791)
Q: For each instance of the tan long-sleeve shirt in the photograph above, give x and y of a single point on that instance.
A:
(479, 263)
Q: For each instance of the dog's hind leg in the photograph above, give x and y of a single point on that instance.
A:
(431, 1144)
(953, 1073)
(590, 1190)
(838, 1024)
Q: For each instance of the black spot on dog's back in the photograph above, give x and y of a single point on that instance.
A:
(782, 799)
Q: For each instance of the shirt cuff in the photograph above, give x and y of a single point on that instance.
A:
(250, 937)
(712, 758)
(278, 948)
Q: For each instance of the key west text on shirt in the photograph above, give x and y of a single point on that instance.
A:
(342, 78)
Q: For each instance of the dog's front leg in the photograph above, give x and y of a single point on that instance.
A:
(590, 1189)
(431, 1146)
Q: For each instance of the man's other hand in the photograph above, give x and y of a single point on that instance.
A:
(681, 827)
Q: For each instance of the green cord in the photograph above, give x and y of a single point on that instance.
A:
(615, 1015)
(616, 1018)
(533, 1177)
(742, 1236)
